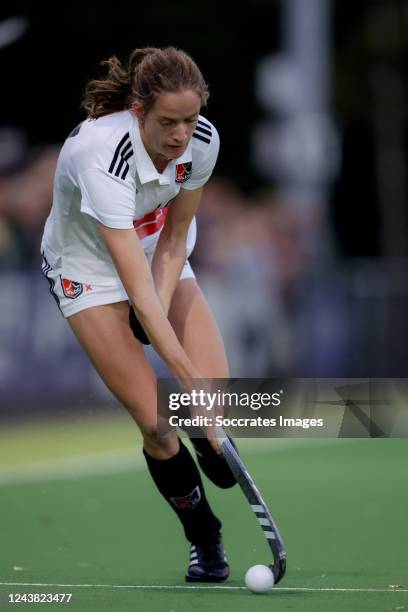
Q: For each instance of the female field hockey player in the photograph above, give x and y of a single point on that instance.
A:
(115, 252)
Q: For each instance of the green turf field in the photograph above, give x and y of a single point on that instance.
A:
(80, 515)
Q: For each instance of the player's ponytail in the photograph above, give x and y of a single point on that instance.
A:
(105, 96)
(150, 71)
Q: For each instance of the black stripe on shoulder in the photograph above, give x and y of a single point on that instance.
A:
(203, 130)
(126, 157)
(124, 154)
(119, 151)
(75, 131)
(204, 124)
(199, 137)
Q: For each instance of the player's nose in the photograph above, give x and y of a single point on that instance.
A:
(180, 134)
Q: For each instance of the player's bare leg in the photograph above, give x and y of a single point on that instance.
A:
(197, 330)
(119, 358)
(104, 333)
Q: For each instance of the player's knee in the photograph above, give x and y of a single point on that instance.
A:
(150, 432)
(159, 446)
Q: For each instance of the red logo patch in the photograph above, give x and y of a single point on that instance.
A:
(183, 172)
(71, 289)
(187, 502)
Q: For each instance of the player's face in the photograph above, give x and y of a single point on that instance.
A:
(167, 128)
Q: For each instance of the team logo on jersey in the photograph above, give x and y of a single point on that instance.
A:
(71, 289)
(183, 172)
(187, 502)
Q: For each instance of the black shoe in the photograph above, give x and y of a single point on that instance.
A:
(214, 466)
(208, 563)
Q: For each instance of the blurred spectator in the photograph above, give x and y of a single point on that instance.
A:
(25, 200)
(248, 259)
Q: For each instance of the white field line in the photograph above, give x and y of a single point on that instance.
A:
(76, 466)
(170, 587)
(117, 461)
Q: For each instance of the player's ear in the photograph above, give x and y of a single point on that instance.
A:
(138, 109)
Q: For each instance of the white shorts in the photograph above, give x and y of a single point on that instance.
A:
(72, 296)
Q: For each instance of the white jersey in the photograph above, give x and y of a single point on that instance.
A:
(105, 174)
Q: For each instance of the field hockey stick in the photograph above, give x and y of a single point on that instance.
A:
(258, 506)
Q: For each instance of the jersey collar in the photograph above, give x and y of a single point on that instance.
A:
(144, 166)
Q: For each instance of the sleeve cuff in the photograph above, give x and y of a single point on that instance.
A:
(108, 220)
(196, 184)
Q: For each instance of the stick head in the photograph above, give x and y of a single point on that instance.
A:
(278, 570)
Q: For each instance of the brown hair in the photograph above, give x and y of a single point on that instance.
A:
(149, 71)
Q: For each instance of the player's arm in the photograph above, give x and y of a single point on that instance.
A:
(170, 254)
(132, 266)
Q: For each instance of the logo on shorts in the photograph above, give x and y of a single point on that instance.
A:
(71, 289)
(183, 172)
(187, 502)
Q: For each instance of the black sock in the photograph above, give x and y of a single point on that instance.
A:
(214, 466)
(179, 481)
